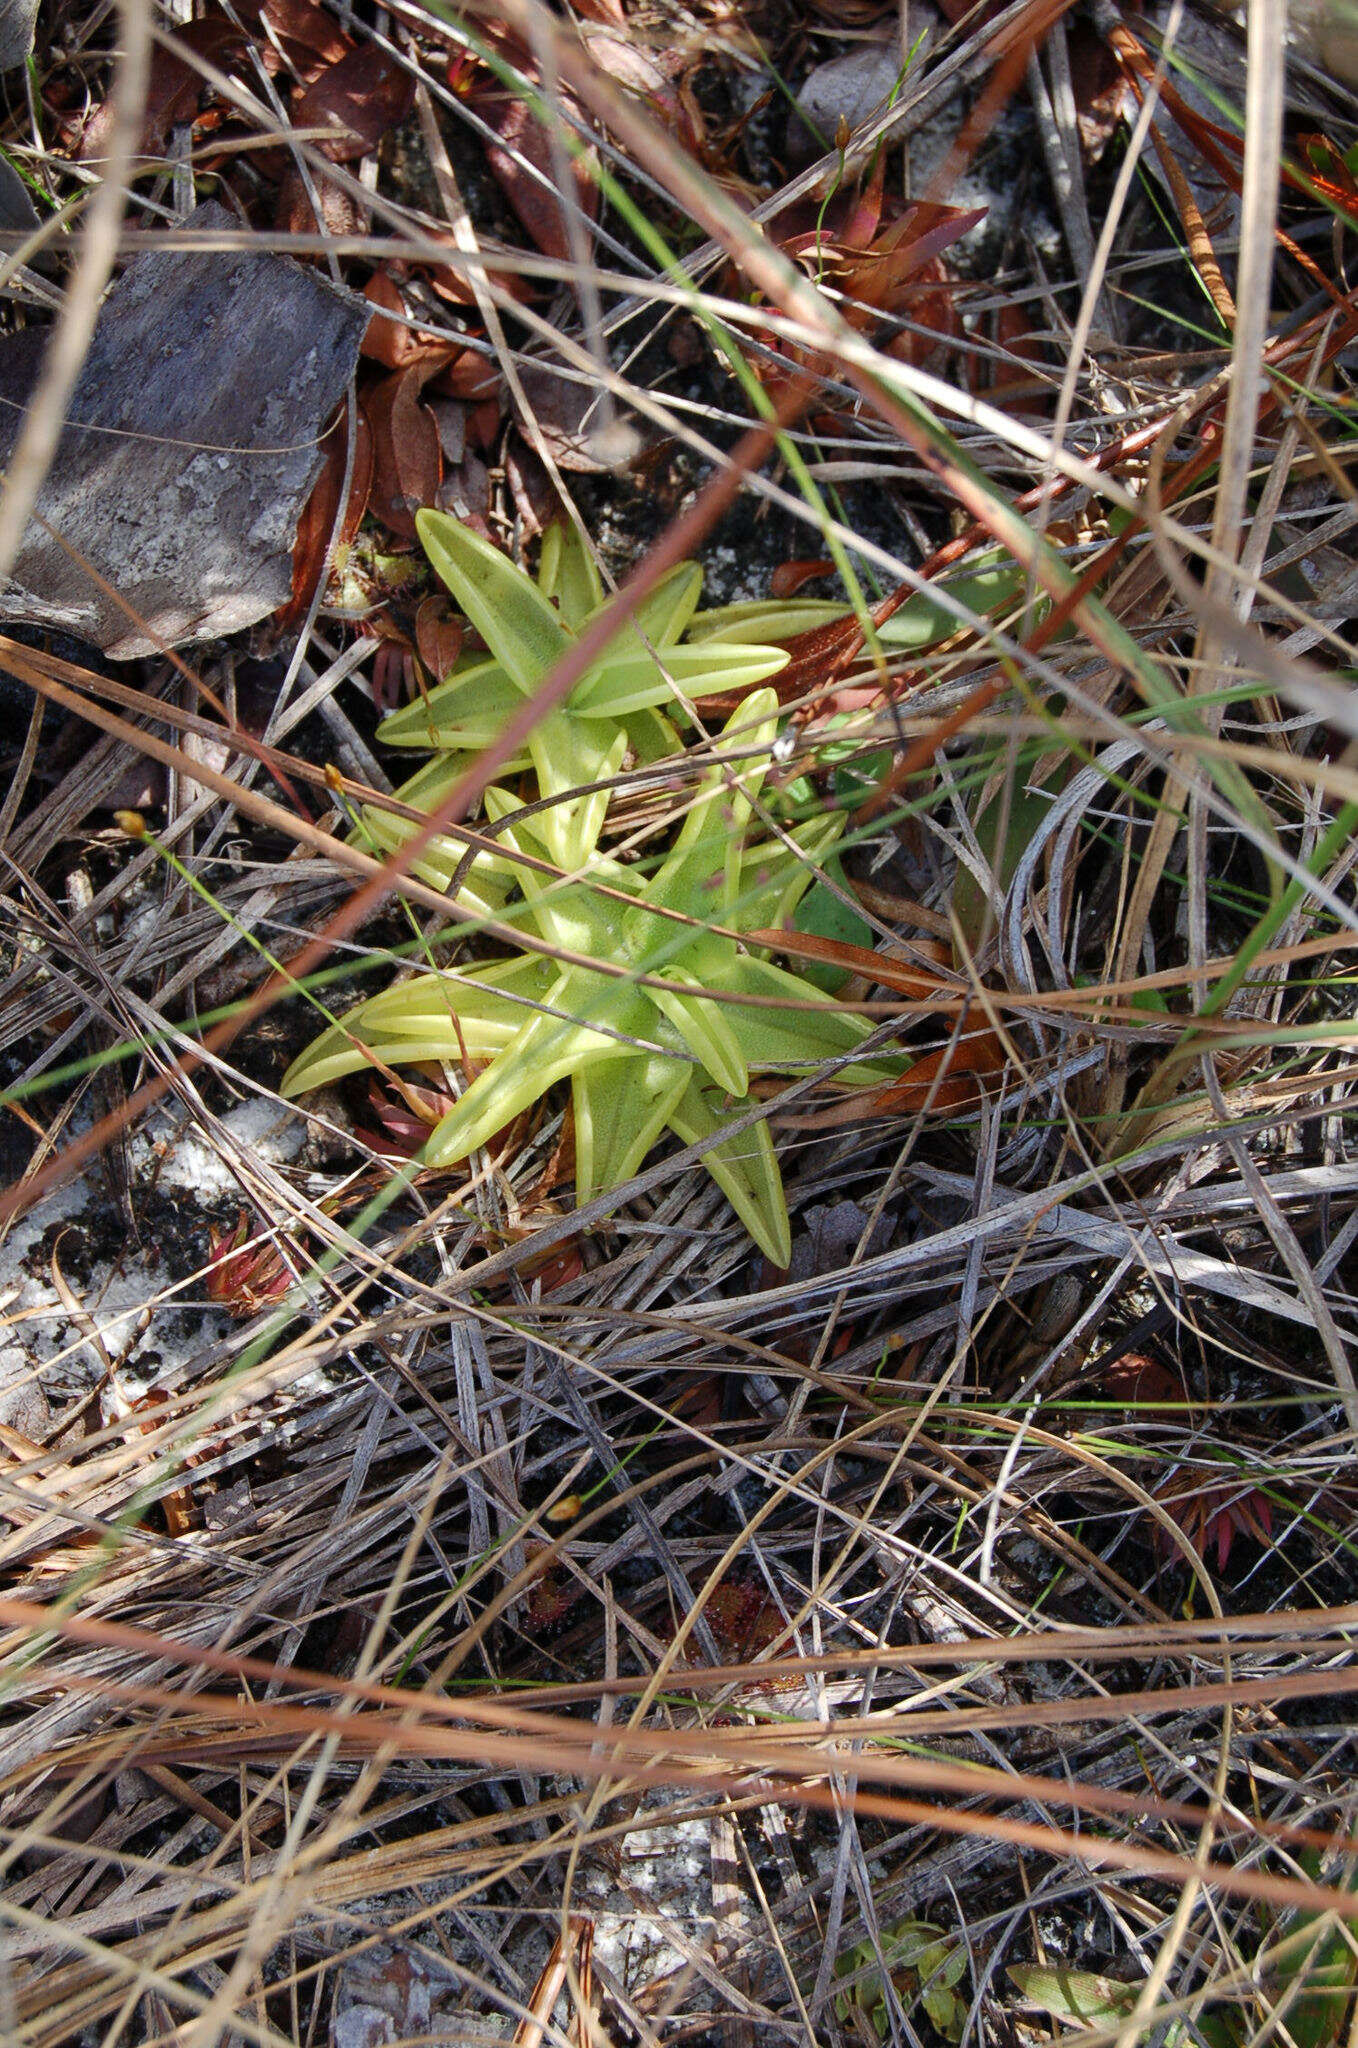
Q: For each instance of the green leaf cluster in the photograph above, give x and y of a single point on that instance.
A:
(926, 1965)
(635, 984)
(1305, 1973)
(627, 706)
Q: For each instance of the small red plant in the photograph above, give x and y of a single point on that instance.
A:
(242, 1276)
(1211, 1517)
(405, 1114)
(550, 1602)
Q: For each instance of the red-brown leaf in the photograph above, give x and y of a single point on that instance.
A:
(394, 343)
(341, 213)
(1138, 1380)
(356, 101)
(317, 523)
(438, 636)
(308, 37)
(1101, 92)
(948, 1079)
(789, 577)
(471, 377)
(407, 462)
(525, 149)
(174, 87)
(878, 967)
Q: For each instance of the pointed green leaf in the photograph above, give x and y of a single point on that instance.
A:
(543, 1053)
(666, 611)
(776, 874)
(506, 607)
(650, 737)
(745, 1168)
(414, 1020)
(482, 892)
(792, 1037)
(494, 991)
(575, 893)
(469, 711)
(996, 581)
(570, 754)
(705, 1031)
(621, 1107)
(1074, 1994)
(567, 574)
(766, 618)
(699, 875)
(635, 677)
(488, 881)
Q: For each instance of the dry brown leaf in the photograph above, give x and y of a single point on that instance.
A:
(175, 87)
(407, 460)
(308, 38)
(393, 342)
(341, 213)
(357, 99)
(524, 149)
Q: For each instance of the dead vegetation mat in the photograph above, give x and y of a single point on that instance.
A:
(432, 1608)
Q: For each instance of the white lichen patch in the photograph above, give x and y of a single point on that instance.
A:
(652, 1912)
(202, 1162)
(79, 1292)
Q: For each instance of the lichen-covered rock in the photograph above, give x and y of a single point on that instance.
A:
(193, 444)
(17, 19)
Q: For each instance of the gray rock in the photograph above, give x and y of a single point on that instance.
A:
(17, 19)
(192, 446)
(852, 88)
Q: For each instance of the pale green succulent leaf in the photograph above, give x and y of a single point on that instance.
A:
(664, 613)
(705, 1031)
(772, 1036)
(635, 677)
(438, 860)
(996, 581)
(414, 1020)
(649, 690)
(543, 1053)
(621, 1107)
(744, 1167)
(488, 881)
(774, 875)
(432, 780)
(469, 711)
(515, 620)
(483, 890)
(568, 575)
(701, 872)
(651, 737)
(531, 830)
(569, 753)
(500, 994)
(766, 618)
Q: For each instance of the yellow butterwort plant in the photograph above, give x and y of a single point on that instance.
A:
(622, 709)
(671, 1042)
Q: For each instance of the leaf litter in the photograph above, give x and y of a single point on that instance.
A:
(1036, 1465)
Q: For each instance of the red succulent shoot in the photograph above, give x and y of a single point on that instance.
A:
(243, 1276)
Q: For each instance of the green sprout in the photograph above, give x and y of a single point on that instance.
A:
(925, 1965)
(621, 709)
(673, 1051)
